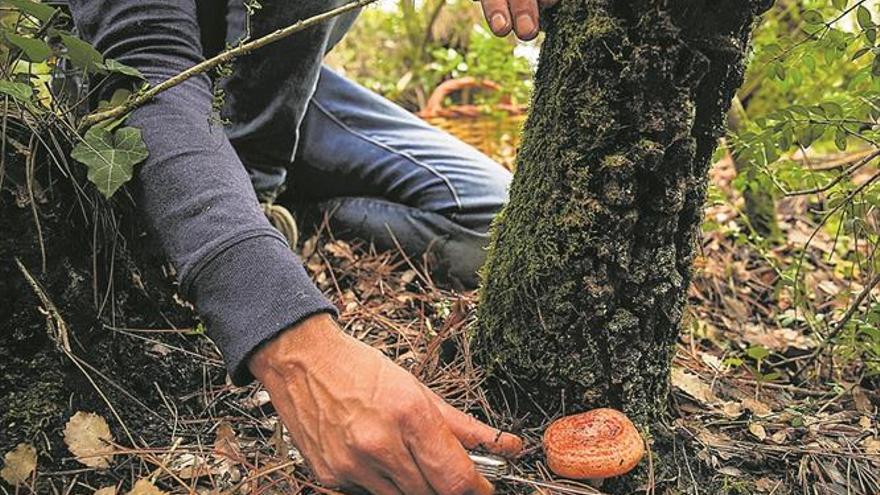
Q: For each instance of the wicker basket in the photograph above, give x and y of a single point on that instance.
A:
(495, 133)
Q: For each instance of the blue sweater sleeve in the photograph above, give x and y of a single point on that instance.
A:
(239, 272)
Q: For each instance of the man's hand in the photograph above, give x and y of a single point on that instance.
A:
(362, 422)
(519, 15)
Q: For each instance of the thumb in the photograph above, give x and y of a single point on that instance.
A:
(474, 434)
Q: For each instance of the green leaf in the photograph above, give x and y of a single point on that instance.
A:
(863, 15)
(18, 91)
(36, 9)
(115, 66)
(840, 139)
(858, 54)
(779, 71)
(110, 157)
(832, 109)
(807, 135)
(36, 50)
(871, 35)
(757, 352)
(875, 67)
(813, 17)
(82, 54)
(117, 98)
(839, 4)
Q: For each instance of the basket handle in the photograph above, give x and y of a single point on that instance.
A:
(434, 106)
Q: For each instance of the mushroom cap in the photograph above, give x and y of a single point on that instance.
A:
(601, 443)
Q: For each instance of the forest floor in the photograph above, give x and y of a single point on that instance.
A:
(176, 423)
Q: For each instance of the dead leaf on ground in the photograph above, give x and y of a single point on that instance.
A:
(145, 487)
(19, 464)
(732, 409)
(861, 400)
(282, 450)
(757, 407)
(88, 438)
(189, 466)
(871, 446)
(694, 386)
(712, 361)
(758, 431)
(226, 443)
(780, 437)
(778, 339)
(731, 471)
(766, 484)
(259, 399)
(107, 490)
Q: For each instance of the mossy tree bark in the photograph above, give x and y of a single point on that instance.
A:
(586, 278)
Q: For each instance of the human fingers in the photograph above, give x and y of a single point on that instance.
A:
(525, 18)
(474, 434)
(497, 15)
(442, 459)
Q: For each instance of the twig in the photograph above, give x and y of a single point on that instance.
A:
(219, 59)
(841, 323)
(63, 340)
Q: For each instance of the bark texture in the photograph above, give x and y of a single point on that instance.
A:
(585, 284)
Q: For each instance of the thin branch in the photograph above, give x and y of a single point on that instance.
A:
(219, 59)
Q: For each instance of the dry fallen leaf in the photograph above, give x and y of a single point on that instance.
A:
(282, 450)
(226, 443)
(757, 407)
(19, 464)
(732, 409)
(107, 490)
(766, 484)
(861, 400)
(779, 437)
(712, 361)
(145, 487)
(259, 399)
(731, 471)
(871, 446)
(758, 431)
(88, 437)
(694, 386)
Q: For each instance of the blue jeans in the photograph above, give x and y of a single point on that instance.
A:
(383, 175)
(378, 172)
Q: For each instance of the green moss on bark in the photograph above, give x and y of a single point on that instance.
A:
(585, 282)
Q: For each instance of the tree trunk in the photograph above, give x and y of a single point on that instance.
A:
(585, 283)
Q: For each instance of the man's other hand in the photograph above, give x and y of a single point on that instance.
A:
(364, 423)
(521, 16)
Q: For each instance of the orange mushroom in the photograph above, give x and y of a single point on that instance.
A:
(597, 444)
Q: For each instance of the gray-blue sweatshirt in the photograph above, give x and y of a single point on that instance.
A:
(193, 189)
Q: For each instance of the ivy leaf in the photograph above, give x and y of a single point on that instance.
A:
(863, 16)
(36, 50)
(82, 54)
(110, 156)
(18, 91)
(113, 65)
(36, 9)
